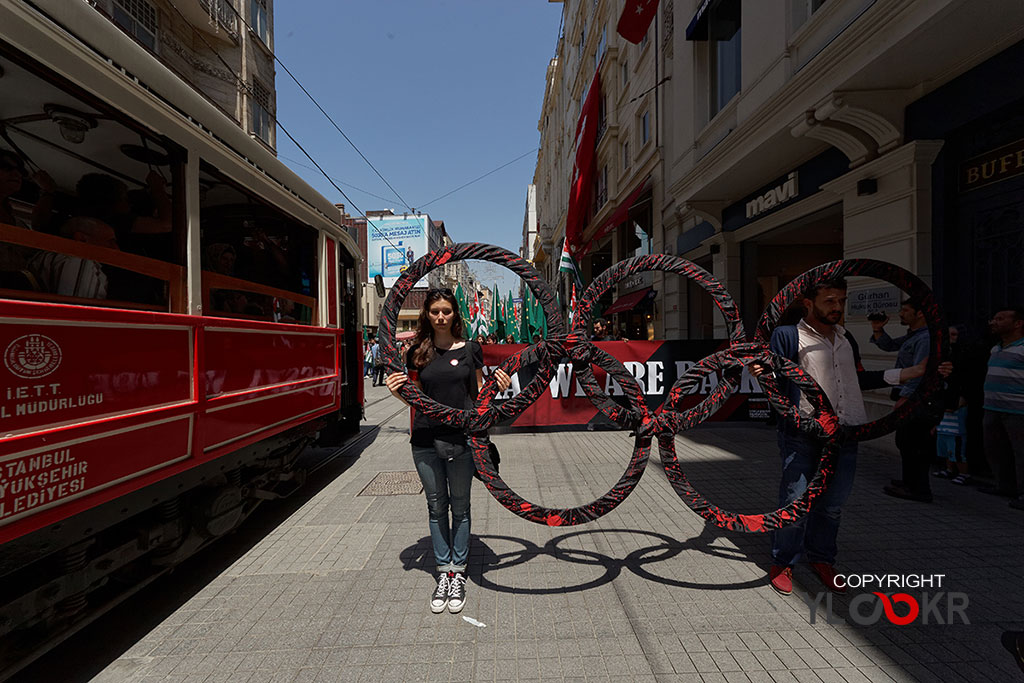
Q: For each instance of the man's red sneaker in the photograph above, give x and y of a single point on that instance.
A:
(781, 579)
(827, 574)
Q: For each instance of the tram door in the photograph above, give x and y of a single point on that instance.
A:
(352, 343)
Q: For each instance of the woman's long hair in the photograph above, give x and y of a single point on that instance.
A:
(423, 344)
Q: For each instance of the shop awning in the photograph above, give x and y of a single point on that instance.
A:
(727, 13)
(622, 211)
(628, 301)
(408, 334)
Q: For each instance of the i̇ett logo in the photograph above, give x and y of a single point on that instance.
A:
(32, 356)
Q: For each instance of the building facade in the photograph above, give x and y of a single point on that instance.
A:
(621, 220)
(222, 48)
(787, 134)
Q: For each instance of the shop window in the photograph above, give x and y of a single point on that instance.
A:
(259, 20)
(137, 18)
(638, 230)
(262, 120)
(258, 262)
(723, 53)
(91, 205)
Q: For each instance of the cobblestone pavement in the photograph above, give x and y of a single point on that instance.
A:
(338, 591)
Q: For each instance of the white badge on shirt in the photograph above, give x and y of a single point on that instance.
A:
(454, 362)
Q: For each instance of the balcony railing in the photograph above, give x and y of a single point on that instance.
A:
(224, 13)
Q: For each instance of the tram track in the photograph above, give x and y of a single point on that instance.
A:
(358, 440)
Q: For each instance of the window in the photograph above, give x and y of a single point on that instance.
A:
(262, 122)
(104, 224)
(601, 194)
(137, 18)
(602, 46)
(723, 53)
(258, 20)
(643, 41)
(814, 5)
(626, 159)
(625, 74)
(258, 262)
(645, 128)
(602, 116)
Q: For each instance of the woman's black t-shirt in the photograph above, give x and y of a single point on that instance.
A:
(449, 379)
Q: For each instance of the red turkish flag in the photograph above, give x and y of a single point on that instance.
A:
(636, 19)
(585, 165)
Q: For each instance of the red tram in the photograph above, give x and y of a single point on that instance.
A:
(178, 318)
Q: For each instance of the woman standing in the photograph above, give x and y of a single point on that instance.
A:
(448, 369)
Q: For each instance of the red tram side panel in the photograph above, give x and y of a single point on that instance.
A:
(97, 403)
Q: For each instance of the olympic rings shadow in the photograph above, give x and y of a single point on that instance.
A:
(483, 560)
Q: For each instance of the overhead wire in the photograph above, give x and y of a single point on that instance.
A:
(324, 112)
(249, 90)
(478, 178)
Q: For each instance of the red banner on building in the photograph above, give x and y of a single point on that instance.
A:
(655, 365)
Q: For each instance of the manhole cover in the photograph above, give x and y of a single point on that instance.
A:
(393, 484)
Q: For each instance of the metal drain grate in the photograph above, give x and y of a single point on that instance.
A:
(393, 484)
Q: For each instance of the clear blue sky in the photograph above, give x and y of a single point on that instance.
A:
(433, 92)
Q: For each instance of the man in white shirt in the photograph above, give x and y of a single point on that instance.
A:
(69, 275)
(829, 354)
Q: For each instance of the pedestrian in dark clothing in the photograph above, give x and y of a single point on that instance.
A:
(914, 437)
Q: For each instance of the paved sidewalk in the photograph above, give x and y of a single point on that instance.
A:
(339, 591)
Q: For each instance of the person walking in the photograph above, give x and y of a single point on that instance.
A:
(828, 353)
(448, 369)
(378, 364)
(1004, 405)
(368, 356)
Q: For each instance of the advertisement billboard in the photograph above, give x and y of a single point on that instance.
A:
(393, 243)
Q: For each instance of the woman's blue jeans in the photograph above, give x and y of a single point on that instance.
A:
(815, 535)
(446, 471)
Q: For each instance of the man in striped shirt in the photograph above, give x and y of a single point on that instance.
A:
(1004, 405)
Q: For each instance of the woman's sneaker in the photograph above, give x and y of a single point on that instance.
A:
(456, 592)
(439, 600)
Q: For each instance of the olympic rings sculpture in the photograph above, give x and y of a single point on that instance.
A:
(574, 344)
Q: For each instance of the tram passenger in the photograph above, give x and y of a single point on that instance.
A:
(14, 259)
(69, 275)
(220, 258)
(105, 197)
(448, 369)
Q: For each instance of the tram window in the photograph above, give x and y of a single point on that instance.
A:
(258, 262)
(91, 206)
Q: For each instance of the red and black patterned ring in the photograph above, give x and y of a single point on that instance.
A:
(480, 445)
(668, 264)
(914, 287)
(821, 423)
(456, 417)
(825, 425)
